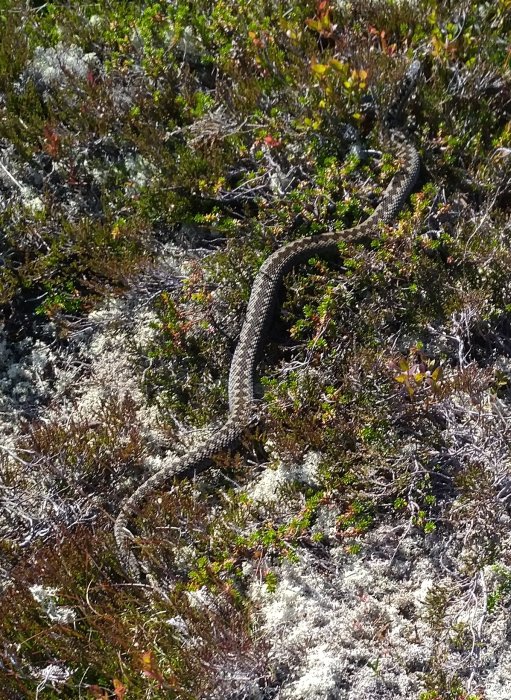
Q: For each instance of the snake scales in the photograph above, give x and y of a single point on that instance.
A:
(260, 308)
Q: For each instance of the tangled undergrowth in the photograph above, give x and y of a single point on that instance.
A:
(152, 155)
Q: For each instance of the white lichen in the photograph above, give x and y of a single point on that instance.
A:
(47, 598)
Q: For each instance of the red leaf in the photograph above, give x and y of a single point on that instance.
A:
(270, 141)
(119, 689)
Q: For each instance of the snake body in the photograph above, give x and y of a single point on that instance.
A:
(261, 305)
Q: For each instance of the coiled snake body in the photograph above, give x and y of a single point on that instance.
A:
(260, 307)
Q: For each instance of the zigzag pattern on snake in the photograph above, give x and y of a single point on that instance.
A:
(260, 308)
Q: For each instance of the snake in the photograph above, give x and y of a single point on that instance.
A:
(261, 307)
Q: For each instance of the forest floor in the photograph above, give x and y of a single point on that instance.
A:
(357, 543)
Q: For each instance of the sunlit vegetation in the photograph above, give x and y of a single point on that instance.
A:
(223, 127)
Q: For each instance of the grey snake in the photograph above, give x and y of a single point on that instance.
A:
(260, 307)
